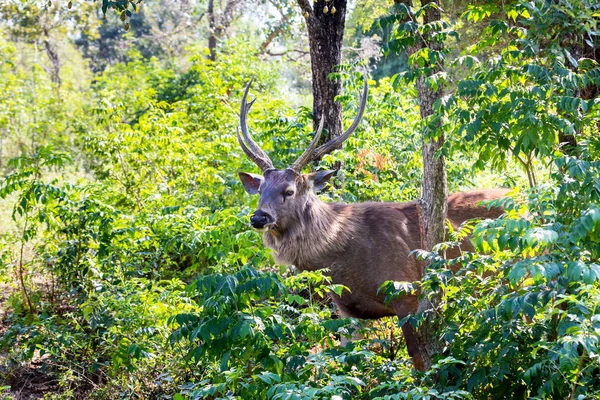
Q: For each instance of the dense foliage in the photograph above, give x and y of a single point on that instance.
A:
(127, 265)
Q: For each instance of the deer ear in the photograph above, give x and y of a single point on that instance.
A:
(318, 180)
(251, 182)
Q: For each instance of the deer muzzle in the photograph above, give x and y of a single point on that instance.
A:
(261, 220)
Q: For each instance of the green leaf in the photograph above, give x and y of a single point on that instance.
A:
(517, 272)
(225, 360)
(269, 378)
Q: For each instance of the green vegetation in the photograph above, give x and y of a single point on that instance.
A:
(127, 265)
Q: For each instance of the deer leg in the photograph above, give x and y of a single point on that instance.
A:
(411, 345)
(405, 306)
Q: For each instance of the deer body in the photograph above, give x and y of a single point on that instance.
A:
(362, 245)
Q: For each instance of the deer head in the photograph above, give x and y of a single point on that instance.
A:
(285, 193)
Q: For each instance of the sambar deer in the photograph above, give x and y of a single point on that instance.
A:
(361, 245)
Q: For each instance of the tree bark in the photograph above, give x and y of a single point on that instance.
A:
(434, 199)
(212, 35)
(325, 22)
(217, 25)
(54, 58)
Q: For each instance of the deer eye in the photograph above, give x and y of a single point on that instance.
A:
(288, 193)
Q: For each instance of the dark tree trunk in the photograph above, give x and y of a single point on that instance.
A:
(217, 25)
(433, 205)
(212, 34)
(434, 198)
(54, 58)
(325, 35)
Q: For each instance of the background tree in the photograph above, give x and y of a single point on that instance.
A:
(156, 29)
(421, 33)
(218, 24)
(434, 198)
(45, 25)
(325, 21)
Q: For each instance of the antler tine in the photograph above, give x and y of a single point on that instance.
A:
(332, 144)
(252, 150)
(253, 157)
(307, 155)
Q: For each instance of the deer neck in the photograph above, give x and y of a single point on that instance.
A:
(318, 232)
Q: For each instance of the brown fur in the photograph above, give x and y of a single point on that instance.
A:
(362, 245)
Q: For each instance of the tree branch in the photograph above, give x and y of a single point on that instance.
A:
(275, 32)
(286, 53)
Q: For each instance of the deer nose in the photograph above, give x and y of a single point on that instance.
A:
(259, 219)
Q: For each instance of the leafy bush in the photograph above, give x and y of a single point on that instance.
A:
(141, 278)
(260, 335)
(523, 320)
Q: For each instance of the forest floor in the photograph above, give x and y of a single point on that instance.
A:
(24, 381)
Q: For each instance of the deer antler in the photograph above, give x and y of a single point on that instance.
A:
(312, 154)
(252, 150)
(307, 155)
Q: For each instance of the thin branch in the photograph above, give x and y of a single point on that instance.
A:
(526, 165)
(20, 268)
(301, 54)
(576, 382)
(275, 32)
(286, 52)
(530, 162)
